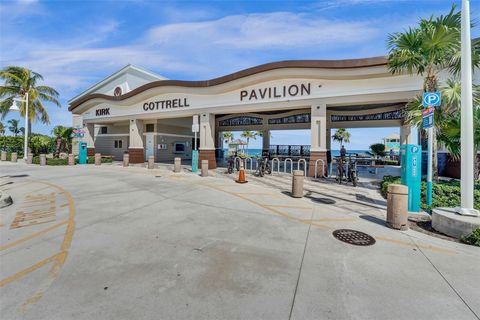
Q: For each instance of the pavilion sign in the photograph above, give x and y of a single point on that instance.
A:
(284, 91)
(389, 115)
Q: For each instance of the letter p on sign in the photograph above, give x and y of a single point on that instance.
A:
(431, 99)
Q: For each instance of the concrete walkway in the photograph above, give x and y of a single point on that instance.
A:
(109, 242)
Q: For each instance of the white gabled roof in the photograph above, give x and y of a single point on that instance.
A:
(146, 75)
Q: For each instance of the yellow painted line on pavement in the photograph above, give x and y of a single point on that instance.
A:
(26, 271)
(33, 235)
(323, 226)
(412, 245)
(289, 207)
(266, 207)
(256, 194)
(332, 219)
(57, 259)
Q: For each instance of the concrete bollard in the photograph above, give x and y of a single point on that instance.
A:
(297, 183)
(3, 156)
(204, 168)
(151, 162)
(43, 159)
(177, 165)
(98, 159)
(71, 159)
(30, 158)
(397, 207)
(126, 159)
(14, 157)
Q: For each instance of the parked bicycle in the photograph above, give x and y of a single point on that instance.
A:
(232, 165)
(347, 170)
(263, 167)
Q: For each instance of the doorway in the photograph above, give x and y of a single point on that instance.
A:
(149, 145)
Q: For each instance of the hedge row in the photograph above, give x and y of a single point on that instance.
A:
(38, 143)
(61, 162)
(445, 193)
(64, 162)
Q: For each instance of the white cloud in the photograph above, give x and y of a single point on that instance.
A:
(190, 50)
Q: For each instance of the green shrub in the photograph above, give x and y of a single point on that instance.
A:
(91, 160)
(385, 182)
(38, 143)
(445, 193)
(11, 144)
(473, 239)
(41, 144)
(64, 162)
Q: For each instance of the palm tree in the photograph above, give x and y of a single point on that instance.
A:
(428, 49)
(341, 135)
(449, 124)
(14, 127)
(19, 81)
(63, 139)
(248, 135)
(2, 129)
(227, 136)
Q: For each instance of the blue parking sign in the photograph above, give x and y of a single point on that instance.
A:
(431, 99)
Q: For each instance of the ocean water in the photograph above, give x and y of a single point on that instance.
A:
(335, 153)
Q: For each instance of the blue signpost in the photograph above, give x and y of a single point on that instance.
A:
(411, 173)
(427, 118)
(194, 161)
(195, 129)
(82, 153)
(429, 100)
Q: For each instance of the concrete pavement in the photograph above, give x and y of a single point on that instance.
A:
(132, 243)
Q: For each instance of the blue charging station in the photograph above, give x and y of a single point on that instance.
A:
(411, 170)
(82, 153)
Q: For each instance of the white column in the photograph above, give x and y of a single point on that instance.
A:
(318, 127)
(466, 125)
(89, 134)
(207, 131)
(136, 134)
(405, 134)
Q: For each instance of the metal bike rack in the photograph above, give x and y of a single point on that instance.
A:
(316, 168)
(278, 165)
(235, 163)
(285, 165)
(304, 166)
(251, 163)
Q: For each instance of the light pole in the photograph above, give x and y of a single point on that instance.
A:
(15, 108)
(466, 124)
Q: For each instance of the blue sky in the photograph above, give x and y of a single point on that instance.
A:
(75, 44)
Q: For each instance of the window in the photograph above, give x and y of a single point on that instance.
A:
(118, 144)
(103, 130)
(150, 127)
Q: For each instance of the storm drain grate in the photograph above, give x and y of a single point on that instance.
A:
(354, 237)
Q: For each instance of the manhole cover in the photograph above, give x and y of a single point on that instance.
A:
(354, 237)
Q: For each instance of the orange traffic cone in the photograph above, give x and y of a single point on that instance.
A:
(241, 174)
